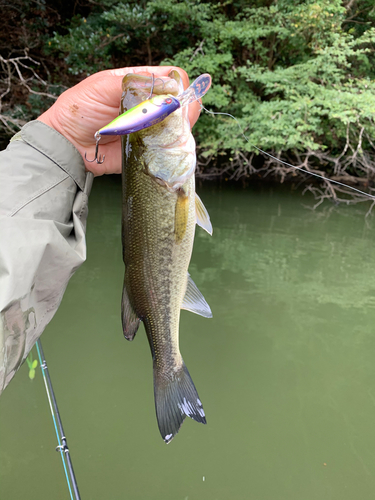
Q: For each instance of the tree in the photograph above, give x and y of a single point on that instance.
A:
(298, 76)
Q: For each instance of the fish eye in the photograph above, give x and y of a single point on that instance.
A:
(144, 110)
(168, 100)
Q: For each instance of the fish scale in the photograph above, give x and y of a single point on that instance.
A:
(157, 273)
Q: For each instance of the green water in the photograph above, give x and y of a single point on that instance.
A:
(285, 369)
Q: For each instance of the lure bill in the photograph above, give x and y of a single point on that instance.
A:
(156, 109)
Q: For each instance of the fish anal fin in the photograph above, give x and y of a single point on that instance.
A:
(194, 301)
(202, 217)
(181, 215)
(130, 320)
(175, 399)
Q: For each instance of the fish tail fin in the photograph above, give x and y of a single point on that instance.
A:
(175, 399)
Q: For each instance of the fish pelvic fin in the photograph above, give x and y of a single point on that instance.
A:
(175, 399)
(130, 320)
(202, 217)
(194, 301)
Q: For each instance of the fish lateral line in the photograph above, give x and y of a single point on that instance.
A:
(327, 179)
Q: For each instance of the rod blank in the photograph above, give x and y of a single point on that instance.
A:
(63, 444)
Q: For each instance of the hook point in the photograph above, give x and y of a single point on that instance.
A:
(90, 161)
(100, 159)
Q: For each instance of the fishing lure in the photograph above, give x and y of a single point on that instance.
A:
(152, 111)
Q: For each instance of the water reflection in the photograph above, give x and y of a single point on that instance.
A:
(285, 369)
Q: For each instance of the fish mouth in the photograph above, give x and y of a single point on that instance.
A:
(139, 87)
(170, 148)
(155, 101)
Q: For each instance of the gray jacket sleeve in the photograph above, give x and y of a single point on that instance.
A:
(43, 210)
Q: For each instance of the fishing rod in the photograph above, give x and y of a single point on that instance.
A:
(61, 439)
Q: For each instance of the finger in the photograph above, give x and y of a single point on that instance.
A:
(157, 70)
(194, 108)
(107, 84)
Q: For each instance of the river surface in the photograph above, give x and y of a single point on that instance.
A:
(285, 369)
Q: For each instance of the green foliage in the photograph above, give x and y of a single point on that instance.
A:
(27, 76)
(91, 46)
(299, 76)
(32, 366)
(130, 33)
(290, 72)
(293, 77)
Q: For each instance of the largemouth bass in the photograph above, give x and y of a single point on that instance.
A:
(160, 211)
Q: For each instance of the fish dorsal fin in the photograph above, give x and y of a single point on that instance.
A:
(202, 217)
(130, 320)
(194, 300)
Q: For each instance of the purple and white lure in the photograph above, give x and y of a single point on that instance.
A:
(152, 111)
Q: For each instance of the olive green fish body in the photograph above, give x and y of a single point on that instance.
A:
(156, 264)
(159, 218)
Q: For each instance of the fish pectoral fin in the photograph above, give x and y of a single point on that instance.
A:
(202, 217)
(130, 320)
(194, 300)
(181, 215)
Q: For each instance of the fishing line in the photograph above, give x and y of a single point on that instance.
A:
(61, 439)
(286, 163)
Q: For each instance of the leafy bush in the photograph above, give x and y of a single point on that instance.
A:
(298, 76)
(27, 86)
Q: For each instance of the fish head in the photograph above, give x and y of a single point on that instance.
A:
(136, 88)
(168, 146)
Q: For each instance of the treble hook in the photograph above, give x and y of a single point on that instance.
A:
(99, 160)
(152, 86)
